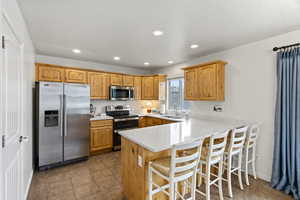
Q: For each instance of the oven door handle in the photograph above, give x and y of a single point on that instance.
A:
(125, 129)
(126, 119)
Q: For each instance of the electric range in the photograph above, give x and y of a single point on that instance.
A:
(123, 120)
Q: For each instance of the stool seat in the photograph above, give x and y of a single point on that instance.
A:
(179, 167)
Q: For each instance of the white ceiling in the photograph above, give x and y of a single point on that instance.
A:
(104, 29)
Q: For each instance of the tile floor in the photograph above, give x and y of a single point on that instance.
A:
(99, 178)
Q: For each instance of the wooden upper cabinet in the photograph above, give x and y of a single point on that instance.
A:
(116, 79)
(45, 72)
(190, 84)
(148, 88)
(155, 87)
(99, 83)
(128, 80)
(75, 76)
(205, 81)
(137, 88)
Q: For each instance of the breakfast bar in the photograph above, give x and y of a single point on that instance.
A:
(139, 146)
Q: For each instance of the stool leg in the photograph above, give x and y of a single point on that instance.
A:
(193, 189)
(172, 192)
(229, 175)
(240, 170)
(175, 189)
(253, 161)
(199, 176)
(149, 183)
(220, 173)
(207, 185)
(246, 166)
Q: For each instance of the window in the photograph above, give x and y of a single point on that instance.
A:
(175, 95)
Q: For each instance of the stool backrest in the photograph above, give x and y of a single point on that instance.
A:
(216, 148)
(237, 139)
(252, 135)
(184, 159)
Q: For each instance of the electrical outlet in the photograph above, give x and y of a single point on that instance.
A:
(140, 161)
(218, 108)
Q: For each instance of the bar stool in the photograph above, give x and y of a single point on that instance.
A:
(251, 144)
(235, 148)
(209, 158)
(177, 168)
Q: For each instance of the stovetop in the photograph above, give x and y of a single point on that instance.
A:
(119, 112)
(124, 116)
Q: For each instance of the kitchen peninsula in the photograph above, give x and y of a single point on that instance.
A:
(139, 146)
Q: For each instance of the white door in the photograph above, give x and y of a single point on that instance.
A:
(11, 111)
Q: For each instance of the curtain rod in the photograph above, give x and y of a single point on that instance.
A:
(284, 47)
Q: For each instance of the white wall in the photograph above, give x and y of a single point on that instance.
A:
(89, 65)
(250, 89)
(16, 18)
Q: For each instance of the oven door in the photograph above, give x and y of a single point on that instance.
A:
(119, 93)
(122, 124)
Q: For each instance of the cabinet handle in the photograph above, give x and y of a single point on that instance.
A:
(132, 150)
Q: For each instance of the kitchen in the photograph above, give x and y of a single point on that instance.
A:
(134, 104)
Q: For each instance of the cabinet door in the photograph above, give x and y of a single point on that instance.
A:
(49, 73)
(207, 82)
(190, 84)
(75, 76)
(99, 83)
(137, 87)
(116, 79)
(128, 80)
(157, 121)
(147, 88)
(155, 87)
(101, 138)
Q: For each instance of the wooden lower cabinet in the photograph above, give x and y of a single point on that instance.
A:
(152, 121)
(101, 134)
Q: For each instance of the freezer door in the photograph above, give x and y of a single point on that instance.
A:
(76, 116)
(50, 113)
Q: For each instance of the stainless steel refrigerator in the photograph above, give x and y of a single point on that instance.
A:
(62, 123)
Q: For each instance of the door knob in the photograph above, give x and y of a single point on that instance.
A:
(23, 138)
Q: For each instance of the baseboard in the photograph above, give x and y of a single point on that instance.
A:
(28, 185)
(264, 177)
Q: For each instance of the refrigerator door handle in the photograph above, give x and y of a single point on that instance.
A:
(61, 97)
(65, 116)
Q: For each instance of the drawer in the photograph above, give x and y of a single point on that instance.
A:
(97, 123)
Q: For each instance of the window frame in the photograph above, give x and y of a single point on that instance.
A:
(181, 110)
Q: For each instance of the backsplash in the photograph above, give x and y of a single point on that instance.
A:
(136, 106)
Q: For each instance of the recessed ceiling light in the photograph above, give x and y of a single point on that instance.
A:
(117, 58)
(146, 63)
(157, 33)
(170, 61)
(194, 46)
(76, 51)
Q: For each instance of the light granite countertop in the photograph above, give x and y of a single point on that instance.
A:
(101, 117)
(162, 137)
(161, 117)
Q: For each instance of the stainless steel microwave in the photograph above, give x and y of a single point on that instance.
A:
(121, 93)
